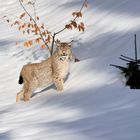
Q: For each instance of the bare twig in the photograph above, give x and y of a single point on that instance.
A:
(34, 9)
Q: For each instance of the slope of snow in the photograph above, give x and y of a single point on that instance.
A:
(95, 104)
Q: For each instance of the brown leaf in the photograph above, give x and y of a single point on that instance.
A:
(44, 34)
(36, 30)
(30, 42)
(31, 19)
(43, 46)
(82, 28)
(26, 44)
(68, 26)
(8, 20)
(48, 40)
(74, 14)
(19, 28)
(79, 27)
(74, 24)
(29, 25)
(79, 14)
(42, 26)
(82, 24)
(28, 31)
(38, 40)
(16, 22)
(22, 15)
(37, 18)
(23, 26)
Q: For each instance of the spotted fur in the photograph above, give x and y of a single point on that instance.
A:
(52, 70)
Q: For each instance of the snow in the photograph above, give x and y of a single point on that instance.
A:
(96, 104)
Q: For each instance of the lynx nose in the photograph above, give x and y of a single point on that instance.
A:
(64, 54)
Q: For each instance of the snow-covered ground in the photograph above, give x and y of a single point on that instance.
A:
(95, 104)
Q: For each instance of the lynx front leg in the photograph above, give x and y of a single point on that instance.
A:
(27, 91)
(30, 87)
(26, 96)
(59, 83)
(19, 95)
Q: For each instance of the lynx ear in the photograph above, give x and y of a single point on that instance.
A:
(58, 43)
(69, 43)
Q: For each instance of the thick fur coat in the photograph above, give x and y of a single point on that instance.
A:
(52, 70)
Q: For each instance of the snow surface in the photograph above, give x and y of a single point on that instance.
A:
(95, 104)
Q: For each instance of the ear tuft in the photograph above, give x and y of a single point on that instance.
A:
(70, 45)
(58, 43)
(70, 41)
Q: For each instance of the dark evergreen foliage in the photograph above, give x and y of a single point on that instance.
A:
(132, 71)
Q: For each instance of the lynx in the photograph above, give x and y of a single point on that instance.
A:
(52, 70)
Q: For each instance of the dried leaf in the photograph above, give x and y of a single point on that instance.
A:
(74, 14)
(82, 28)
(79, 27)
(30, 42)
(19, 28)
(44, 33)
(28, 31)
(31, 19)
(68, 26)
(16, 22)
(26, 44)
(38, 40)
(79, 14)
(22, 15)
(29, 25)
(36, 30)
(74, 24)
(42, 26)
(48, 40)
(37, 18)
(8, 20)
(23, 26)
(82, 24)
(43, 46)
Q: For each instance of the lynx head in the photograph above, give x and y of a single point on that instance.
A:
(64, 50)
